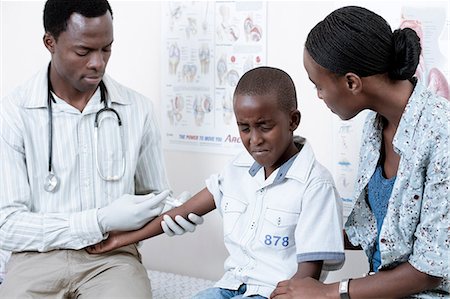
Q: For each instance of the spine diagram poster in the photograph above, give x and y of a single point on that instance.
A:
(207, 47)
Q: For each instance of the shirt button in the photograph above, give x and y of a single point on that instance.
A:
(383, 240)
(416, 197)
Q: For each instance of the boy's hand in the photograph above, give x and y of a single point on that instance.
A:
(111, 243)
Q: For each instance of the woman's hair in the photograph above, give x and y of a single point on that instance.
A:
(58, 12)
(355, 39)
(268, 80)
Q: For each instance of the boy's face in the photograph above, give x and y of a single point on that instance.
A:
(265, 130)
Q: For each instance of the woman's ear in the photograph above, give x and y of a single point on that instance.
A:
(295, 117)
(49, 42)
(354, 83)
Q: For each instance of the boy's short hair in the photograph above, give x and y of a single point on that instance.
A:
(58, 12)
(268, 80)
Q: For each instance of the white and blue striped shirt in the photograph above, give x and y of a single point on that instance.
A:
(33, 219)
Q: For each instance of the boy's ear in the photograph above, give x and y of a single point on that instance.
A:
(353, 83)
(295, 117)
(49, 42)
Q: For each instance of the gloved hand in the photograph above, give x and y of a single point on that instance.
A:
(180, 225)
(130, 212)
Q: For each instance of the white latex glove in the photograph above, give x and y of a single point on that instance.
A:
(170, 202)
(180, 225)
(130, 212)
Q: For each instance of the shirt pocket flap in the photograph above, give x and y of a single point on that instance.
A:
(230, 205)
(281, 218)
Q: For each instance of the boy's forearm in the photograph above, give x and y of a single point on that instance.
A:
(200, 204)
(308, 269)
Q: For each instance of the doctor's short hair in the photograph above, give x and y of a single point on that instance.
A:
(267, 80)
(357, 40)
(58, 12)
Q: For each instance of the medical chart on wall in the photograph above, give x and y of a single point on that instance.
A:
(207, 47)
(430, 20)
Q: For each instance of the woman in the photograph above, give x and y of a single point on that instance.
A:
(401, 214)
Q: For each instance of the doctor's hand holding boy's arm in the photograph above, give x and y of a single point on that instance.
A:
(179, 225)
(200, 204)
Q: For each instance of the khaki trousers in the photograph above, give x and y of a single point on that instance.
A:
(76, 274)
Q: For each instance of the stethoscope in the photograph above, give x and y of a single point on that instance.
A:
(52, 181)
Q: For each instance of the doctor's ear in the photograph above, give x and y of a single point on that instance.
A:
(49, 42)
(353, 82)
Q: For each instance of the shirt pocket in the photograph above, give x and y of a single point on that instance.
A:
(115, 172)
(232, 210)
(278, 229)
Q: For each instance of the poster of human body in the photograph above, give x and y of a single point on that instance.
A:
(207, 46)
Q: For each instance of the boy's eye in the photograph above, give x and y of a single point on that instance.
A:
(244, 129)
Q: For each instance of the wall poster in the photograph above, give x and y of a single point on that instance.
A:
(206, 47)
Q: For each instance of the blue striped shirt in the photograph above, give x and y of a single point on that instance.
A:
(33, 219)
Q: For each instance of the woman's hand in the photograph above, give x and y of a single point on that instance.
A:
(304, 288)
(111, 243)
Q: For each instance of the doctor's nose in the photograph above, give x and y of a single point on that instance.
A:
(319, 95)
(97, 61)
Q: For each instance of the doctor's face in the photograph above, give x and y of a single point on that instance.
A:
(81, 52)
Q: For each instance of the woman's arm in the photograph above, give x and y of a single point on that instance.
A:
(402, 281)
(200, 204)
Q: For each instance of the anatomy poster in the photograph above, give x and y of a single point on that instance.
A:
(430, 20)
(207, 46)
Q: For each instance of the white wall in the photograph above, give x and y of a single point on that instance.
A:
(136, 63)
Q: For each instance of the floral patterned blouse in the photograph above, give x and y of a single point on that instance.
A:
(416, 227)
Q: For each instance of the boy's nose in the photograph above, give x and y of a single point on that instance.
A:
(255, 137)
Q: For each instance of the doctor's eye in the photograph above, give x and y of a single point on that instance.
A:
(82, 53)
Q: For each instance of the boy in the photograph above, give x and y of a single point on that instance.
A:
(281, 211)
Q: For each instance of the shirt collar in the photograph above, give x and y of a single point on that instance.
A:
(37, 97)
(297, 167)
(410, 117)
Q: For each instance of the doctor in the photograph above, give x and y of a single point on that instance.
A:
(80, 157)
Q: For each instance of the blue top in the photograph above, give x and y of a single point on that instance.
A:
(379, 191)
(415, 228)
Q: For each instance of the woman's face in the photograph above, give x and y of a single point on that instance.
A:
(333, 89)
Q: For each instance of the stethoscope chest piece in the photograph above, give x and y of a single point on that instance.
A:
(51, 183)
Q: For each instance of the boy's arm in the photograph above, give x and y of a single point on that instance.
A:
(305, 269)
(308, 269)
(200, 204)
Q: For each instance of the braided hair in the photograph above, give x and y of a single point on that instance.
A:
(355, 39)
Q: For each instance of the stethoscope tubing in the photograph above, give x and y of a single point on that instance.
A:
(52, 181)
